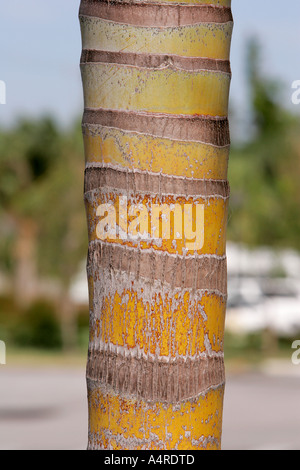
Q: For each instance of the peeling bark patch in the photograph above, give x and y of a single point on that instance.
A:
(134, 152)
(141, 318)
(130, 424)
(186, 128)
(197, 273)
(155, 61)
(149, 14)
(96, 178)
(153, 381)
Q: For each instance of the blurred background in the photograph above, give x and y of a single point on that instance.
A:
(43, 239)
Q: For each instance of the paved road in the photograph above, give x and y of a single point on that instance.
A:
(46, 409)
(262, 412)
(42, 409)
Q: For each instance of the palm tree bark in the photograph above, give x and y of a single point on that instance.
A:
(156, 79)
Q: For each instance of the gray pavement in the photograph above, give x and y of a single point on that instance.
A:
(44, 408)
(262, 412)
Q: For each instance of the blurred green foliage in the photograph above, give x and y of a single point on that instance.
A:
(41, 179)
(38, 327)
(43, 235)
(264, 171)
(253, 348)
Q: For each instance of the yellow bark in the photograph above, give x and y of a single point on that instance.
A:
(156, 79)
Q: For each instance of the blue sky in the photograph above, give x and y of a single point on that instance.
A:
(40, 47)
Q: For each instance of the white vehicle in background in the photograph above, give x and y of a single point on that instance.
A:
(255, 304)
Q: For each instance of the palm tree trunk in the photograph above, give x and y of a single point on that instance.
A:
(25, 275)
(156, 80)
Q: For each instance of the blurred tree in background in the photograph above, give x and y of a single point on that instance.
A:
(43, 235)
(264, 172)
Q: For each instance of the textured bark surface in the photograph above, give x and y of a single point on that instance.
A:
(156, 79)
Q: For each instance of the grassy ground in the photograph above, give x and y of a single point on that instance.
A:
(253, 350)
(17, 357)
